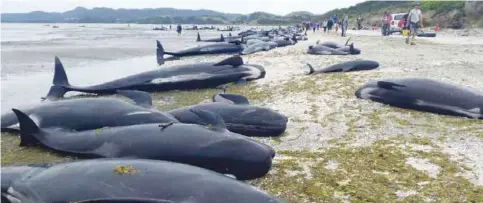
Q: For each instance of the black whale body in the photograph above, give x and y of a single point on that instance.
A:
(424, 95)
(91, 113)
(348, 66)
(239, 116)
(217, 48)
(183, 77)
(211, 147)
(221, 39)
(133, 181)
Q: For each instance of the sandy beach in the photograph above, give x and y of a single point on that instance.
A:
(338, 148)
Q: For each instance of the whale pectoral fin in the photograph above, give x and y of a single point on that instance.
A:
(472, 113)
(241, 82)
(212, 120)
(388, 85)
(232, 61)
(141, 98)
(124, 200)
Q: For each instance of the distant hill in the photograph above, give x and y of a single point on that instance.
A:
(452, 14)
(108, 15)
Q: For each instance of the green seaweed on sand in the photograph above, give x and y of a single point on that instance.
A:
(125, 169)
(12, 153)
(374, 173)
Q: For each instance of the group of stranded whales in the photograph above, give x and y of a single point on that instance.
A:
(331, 48)
(132, 152)
(94, 113)
(234, 44)
(212, 147)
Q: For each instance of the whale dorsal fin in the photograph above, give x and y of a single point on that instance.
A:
(388, 85)
(232, 61)
(212, 120)
(27, 129)
(230, 99)
(222, 38)
(311, 69)
(141, 98)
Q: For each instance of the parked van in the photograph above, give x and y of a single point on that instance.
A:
(396, 17)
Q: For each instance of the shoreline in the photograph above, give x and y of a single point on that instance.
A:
(343, 149)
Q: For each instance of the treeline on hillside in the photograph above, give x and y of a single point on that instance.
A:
(450, 14)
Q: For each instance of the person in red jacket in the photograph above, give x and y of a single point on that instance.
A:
(386, 26)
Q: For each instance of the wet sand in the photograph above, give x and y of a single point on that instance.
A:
(338, 148)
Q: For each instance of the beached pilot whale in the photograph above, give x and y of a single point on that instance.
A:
(348, 48)
(91, 113)
(323, 50)
(182, 77)
(221, 39)
(131, 181)
(260, 46)
(218, 48)
(212, 147)
(424, 95)
(239, 116)
(348, 66)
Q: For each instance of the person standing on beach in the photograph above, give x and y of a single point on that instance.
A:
(335, 19)
(314, 27)
(359, 22)
(386, 23)
(179, 29)
(330, 23)
(344, 23)
(324, 25)
(415, 22)
(307, 26)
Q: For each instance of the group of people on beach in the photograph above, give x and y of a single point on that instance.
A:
(335, 22)
(412, 21)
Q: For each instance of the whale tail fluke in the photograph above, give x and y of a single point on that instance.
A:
(198, 39)
(60, 83)
(294, 38)
(312, 70)
(27, 129)
(351, 48)
(159, 53)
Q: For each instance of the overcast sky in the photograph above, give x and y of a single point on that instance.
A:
(228, 6)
